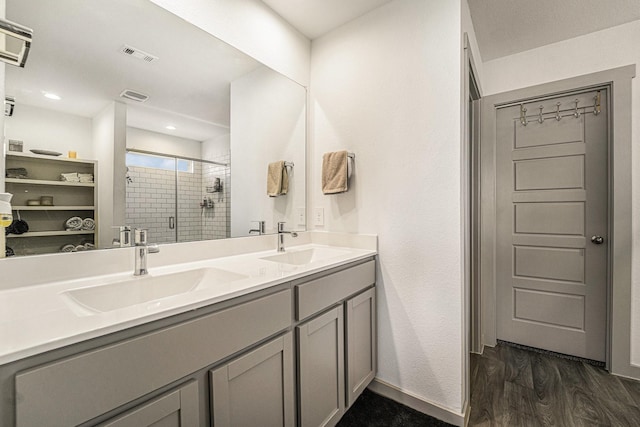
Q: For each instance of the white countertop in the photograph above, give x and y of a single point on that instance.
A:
(35, 319)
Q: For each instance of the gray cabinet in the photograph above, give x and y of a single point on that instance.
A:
(313, 296)
(256, 389)
(175, 409)
(77, 389)
(321, 369)
(361, 343)
(337, 350)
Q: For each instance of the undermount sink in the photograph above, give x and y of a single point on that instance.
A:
(305, 256)
(146, 289)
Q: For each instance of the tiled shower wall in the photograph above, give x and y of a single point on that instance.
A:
(151, 202)
(189, 218)
(217, 221)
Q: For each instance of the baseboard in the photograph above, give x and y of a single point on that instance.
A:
(414, 402)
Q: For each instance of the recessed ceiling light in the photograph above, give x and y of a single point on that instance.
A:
(171, 127)
(52, 96)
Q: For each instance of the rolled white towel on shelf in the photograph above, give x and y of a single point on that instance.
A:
(68, 248)
(89, 246)
(85, 177)
(88, 224)
(74, 223)
(70, 177)
(80, 248)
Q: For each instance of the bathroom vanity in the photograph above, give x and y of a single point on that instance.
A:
(290, 341)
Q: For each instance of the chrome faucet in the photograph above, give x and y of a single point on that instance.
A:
(142, 250)
(259, 229)
(281, 234)
(124, 237)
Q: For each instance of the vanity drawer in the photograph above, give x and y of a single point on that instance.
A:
(74, 390)
(313, 296)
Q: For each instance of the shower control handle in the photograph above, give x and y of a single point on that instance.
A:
(172, 222)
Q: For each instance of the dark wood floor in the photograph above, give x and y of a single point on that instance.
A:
(515, 387)
(373, 410)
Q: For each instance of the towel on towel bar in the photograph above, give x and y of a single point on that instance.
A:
(335, 172)
(277, 179)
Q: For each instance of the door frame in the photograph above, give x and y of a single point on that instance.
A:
(618, 81)
(470, 131)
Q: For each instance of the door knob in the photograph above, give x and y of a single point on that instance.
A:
(597, 240)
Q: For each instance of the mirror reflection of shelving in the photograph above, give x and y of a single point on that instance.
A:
(46, 203)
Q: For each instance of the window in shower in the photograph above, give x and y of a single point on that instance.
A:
(153, 161)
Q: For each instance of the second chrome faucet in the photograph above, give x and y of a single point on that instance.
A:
(281, 233)
(142, 250)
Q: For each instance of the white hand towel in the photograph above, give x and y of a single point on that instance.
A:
(73, 224)
(88, 224)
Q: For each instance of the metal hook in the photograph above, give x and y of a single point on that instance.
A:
(540, 118)
(523, 115)
(596, 104)
(576, 113)
(558, 111)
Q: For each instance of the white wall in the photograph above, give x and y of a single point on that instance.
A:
(50, 130)
(267, 125)
(109, 147)
(387, 87)
(593, 52)
(146, 140)
(252, 27)
(216, 147)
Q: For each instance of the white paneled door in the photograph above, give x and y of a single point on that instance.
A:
(552, 234)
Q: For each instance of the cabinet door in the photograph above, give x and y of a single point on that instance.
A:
(360, 319)
(178, 408)
(321, 362)
(256, 389)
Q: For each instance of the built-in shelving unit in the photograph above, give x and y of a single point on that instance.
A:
(54, 208)
(50, 183)
(50, 233)
(47, 231)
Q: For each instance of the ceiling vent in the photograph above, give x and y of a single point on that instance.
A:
(137, 53)
(134, 96)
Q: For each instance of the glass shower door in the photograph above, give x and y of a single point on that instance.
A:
(151, 195)
(178, 199)
(191, 204)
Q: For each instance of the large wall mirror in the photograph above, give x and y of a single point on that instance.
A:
(158, 125)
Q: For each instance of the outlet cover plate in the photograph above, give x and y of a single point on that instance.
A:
(301, 216)
(318, 217)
